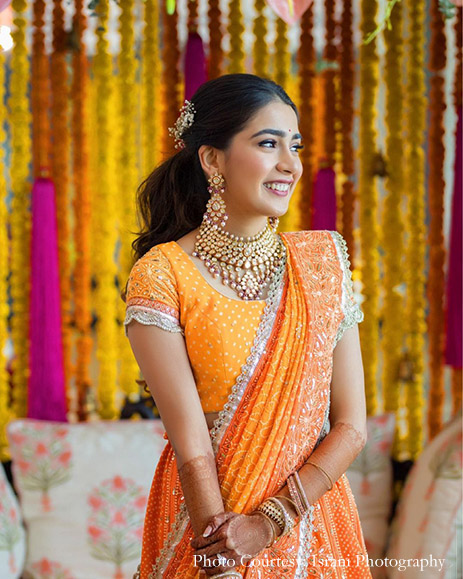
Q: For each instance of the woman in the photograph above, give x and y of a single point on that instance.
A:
(248, 341)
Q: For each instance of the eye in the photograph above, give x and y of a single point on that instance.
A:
(267, 142)
(297, 148)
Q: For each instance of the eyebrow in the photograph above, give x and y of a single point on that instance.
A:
(277, 133)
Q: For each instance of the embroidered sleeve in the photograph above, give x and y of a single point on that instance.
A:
(352, 312)
(151, 293)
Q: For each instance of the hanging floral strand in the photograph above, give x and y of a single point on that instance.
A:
(21, 147)
(306, 62)
(104, 228)
(368, 197)
(151, 82)
(127, 182)
(82, 213)
(170, 77)
(60, 155)
(5, 411)
(393, 226)
(235, 30)
(40, 94)
(260, 48)
(282, 58)
(415, 257)
(329, 75)
(215, 39)
(436, 279)
(346, 117)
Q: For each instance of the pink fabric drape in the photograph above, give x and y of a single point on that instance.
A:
(46, 395)
(195, 64)
(453, 350)
(324, 200)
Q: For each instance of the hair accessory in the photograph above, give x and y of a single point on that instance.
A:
(184, 121)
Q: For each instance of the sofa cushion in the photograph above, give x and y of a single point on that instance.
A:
(12, 535)
(425, 524)
(83, 490)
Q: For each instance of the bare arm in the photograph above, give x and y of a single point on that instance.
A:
(163, 360)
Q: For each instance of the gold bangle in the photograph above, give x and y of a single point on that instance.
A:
(302, 493)
(296, 494)
(323, 471)
(274, 538)
(289, 500)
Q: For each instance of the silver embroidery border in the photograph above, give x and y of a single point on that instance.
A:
(352, 315)
(148, 317)
(226, 414)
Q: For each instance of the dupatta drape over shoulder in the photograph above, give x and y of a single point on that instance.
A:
(275, 416)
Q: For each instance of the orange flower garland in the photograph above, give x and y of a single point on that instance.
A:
(40, 94)
(170, 77)
(393, 226)
(235, 30)
(346, 117)
(306, 62)
(60, 155)
(329, 76)
(82, 213)
(436, 279)
(368, 197)
(260, 48)
(215, 39)
(21, 147)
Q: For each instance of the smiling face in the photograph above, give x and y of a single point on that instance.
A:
(261, 168)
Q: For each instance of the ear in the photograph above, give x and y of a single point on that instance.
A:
(209, 159)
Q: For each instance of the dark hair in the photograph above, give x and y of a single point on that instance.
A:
(171, 201)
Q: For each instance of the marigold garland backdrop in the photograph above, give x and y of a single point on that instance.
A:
(88, 90)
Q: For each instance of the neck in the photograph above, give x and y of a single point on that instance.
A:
(245, 228)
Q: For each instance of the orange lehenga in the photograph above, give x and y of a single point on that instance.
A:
(276, 414)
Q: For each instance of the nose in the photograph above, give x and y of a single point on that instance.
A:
(289, 162)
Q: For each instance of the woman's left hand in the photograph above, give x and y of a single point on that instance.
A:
(235, 537)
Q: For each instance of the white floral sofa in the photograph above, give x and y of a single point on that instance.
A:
(83, 488)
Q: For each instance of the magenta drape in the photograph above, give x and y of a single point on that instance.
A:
(324, 200)
(46, 394)
(453, 349)
(195, 64)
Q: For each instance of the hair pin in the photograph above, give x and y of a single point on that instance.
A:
(184, 121)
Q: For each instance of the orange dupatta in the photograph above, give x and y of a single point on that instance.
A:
(275, 416)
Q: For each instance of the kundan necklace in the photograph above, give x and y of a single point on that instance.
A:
(246, 264)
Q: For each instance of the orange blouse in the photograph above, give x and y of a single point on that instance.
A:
(165, 288)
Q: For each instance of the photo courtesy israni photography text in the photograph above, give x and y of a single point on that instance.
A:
(423, 563)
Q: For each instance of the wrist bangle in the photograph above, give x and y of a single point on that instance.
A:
(289, 522)
(295, 494)
(302, 493)
(322, 470)
(274, 534)
(290, 500)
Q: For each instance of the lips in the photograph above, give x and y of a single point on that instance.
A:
(280, 188)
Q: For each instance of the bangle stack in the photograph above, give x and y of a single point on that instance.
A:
(298, 494)
(323, 471)
(274, 509)
(229, 573)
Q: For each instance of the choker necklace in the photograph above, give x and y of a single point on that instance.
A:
(246, 264)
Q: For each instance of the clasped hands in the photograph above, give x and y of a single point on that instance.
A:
(237, 538)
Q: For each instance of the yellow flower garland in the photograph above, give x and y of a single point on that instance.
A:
(5, 410)
(260, 48)
(151, 81)
(415, 258)
(368, 197)
(82, 212)
(21, 147)
(104, 229)
(393, 226)
(127, 182)
(282, 58)
(170, 78)
(60, 155)
(306, 62)
(436, 278)
(329, 76)
(235, 30)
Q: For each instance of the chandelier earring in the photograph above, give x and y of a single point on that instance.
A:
(215, 208)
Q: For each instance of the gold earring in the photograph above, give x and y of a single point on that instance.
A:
(215, 208)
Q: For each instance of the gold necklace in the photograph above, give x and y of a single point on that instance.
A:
(246, 264)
